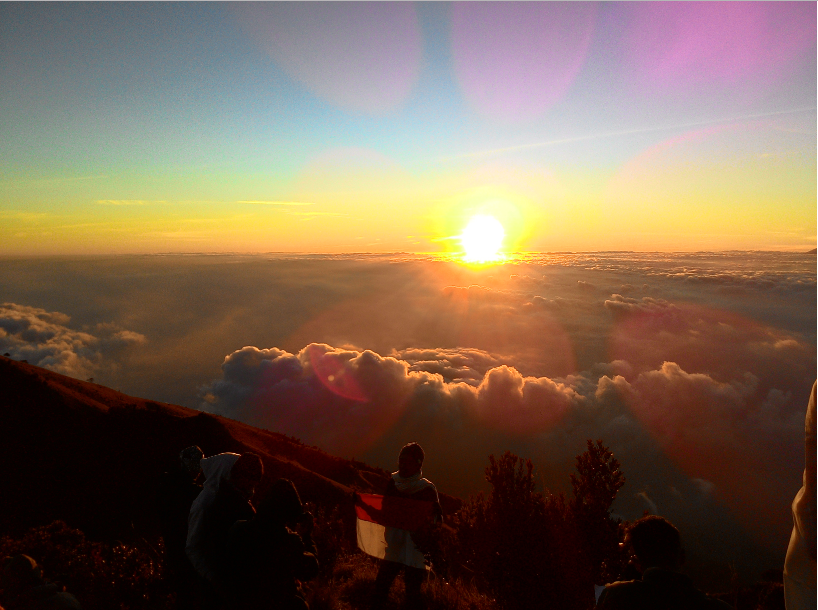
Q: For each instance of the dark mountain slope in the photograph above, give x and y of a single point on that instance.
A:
(91, 456)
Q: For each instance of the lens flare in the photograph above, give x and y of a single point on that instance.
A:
(482, 239)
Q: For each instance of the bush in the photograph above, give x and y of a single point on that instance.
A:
(539, 550)
(595, 486)
(334, 534)
(351, 584)
(101, 576)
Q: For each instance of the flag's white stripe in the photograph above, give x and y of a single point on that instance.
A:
(371, 538)
(389, 543)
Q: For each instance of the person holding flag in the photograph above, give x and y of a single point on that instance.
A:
(386, 525)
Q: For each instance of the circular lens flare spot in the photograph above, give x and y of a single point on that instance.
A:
(482, 238)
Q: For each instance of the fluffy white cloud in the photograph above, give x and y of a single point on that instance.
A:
(336, 398)
(557, 303)
(648, 332)
(523, 405)
(43, 338)
(345, 400)
(463, 364)
(626, 305)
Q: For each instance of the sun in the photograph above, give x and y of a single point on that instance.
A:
(482, 239)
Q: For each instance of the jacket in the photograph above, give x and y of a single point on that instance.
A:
(659, 589)
(216, 470)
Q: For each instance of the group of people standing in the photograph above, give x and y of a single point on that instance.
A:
(227, 553)
(224, 551)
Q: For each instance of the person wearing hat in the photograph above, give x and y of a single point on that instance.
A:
(177, 489)
(24, 588)
(272, 553)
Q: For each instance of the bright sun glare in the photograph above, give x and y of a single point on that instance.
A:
(482, 239)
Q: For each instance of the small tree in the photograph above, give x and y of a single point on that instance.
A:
(598, 479)
(513, 489)
(530, 550)
(595, 486)
(517, 543)
(516, 511)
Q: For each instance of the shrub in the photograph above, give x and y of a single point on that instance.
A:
(334, 534)
(539, 550)
(101, 576)
(595, 486)
(351, 584)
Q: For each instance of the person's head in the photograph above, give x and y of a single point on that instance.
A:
(410, 460)
(281, 504)
(20, 573)
(191, 460)
(656, 542)
(246, 473)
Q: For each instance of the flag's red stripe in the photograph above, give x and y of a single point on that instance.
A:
(394, 511)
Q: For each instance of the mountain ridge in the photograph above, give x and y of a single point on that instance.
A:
(91, 456)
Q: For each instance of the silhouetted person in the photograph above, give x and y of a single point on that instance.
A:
(24, 587)
(658, 548)
(272, 553)
(799, 566)
(230, 482)
(407, 482)
(178, 488)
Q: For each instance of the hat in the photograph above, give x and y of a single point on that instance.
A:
(190, 458)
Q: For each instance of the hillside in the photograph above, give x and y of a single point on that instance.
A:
(91, 456)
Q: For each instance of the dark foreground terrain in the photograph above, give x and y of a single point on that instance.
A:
(80, 464)
(86, 454)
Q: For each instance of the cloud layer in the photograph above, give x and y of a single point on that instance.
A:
(43, 338)
(725, 438)
(344, 400)
(694, 368)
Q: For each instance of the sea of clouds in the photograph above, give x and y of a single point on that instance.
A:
(694, 368)
(44, 338)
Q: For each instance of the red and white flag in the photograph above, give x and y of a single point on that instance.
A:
(385, 524)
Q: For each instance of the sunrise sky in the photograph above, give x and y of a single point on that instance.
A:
(346, 127)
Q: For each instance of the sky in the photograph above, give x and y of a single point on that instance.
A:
(385, 127)
(694, 368)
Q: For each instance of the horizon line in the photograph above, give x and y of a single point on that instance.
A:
(455, 255)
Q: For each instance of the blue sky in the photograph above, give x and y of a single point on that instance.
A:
(190, 108)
